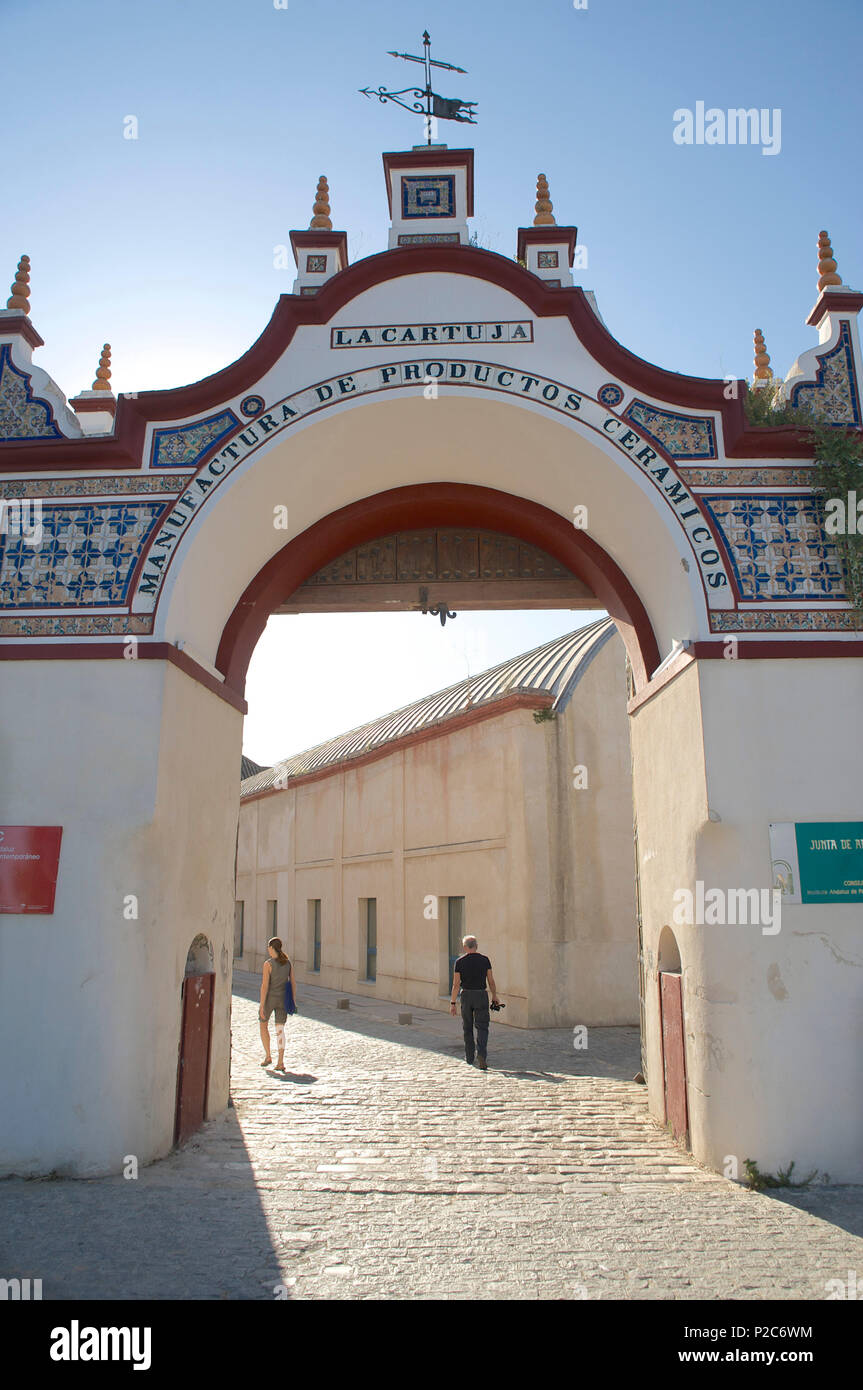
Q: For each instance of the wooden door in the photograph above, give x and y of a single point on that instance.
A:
(674, 1054)
(193, 1070)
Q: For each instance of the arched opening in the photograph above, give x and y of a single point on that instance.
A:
(429, 505)
(440, 503)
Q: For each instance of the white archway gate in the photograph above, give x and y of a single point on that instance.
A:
(431, 385)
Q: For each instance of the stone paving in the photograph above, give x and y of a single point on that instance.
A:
(381, 1166)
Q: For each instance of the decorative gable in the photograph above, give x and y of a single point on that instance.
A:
(22, 414)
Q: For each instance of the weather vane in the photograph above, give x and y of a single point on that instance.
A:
(426, 102)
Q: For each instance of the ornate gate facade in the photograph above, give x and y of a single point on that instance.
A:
(435, 386)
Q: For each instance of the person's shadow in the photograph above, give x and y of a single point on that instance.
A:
(534, 1076)
(300, 1078)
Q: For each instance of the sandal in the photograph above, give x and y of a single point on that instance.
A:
(267, 1062)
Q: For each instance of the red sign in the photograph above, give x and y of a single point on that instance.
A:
(29, 858)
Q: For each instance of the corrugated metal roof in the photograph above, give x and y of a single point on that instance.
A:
(552, 669)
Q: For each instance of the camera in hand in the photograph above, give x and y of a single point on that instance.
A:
(497, 1007)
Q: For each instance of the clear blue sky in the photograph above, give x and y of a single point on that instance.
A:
(164, 245)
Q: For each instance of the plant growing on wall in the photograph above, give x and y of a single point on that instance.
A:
(838, 486)
(766, 405)
(837, 479)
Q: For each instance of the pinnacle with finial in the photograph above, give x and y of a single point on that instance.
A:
(103, 371)
(763, 371)
(544, 215)
(321, 208)
(20, 297)
(826, 263)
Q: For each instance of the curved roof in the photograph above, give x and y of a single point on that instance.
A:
(553, 669)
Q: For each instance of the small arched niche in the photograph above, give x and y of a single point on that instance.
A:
(669, 953)
(199, 961)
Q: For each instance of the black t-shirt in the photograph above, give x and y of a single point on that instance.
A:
(472, 969)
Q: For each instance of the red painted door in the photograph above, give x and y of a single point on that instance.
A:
(674, 1054)
(194, 1065)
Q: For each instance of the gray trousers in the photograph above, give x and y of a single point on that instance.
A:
(474, 1014)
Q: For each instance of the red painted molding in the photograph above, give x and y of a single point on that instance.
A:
(396, 745)
(544, 235)
(765, 442)
(780, 648)
(19, 323)
(428, 505)
(429, 159)
(113, 651)
(124, 449)
(120, 452)
(164, 651)
(838, 301)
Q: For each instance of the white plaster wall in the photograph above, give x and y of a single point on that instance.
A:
(773, 1023)
(195, 818)
(786, 1071)
(141, 772)
(670, 798)
(590, 975)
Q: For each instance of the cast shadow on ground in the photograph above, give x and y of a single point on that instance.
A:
(508, 1046)
(191, 1226)
(833, 1204)
(300, 1078)
(533, 1076)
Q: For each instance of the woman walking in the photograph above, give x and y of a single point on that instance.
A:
(277, 971)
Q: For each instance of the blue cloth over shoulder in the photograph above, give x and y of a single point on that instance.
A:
(290, 1006)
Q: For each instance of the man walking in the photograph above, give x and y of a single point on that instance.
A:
(469, 976)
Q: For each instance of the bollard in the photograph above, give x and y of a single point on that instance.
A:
(343, 1003)
(406, 1018)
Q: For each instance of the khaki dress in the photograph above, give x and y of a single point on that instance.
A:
(275, 1000)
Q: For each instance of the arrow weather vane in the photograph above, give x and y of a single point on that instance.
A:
(425, 100)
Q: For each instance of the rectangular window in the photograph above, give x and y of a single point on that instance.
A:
(239, 912)
(371, 937)
(272, 917)
(455, 919)
(315, 934)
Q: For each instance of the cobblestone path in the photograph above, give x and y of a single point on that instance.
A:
(382, 1166)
